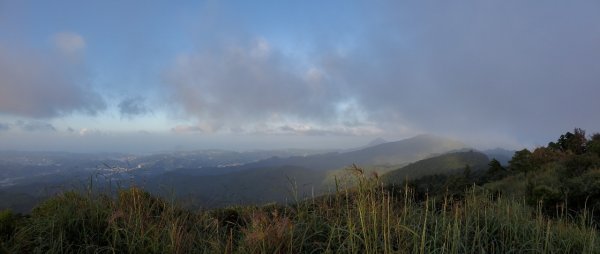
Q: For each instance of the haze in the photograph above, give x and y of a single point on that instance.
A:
(143, 76)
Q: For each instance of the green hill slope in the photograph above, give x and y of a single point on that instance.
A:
(443, 164)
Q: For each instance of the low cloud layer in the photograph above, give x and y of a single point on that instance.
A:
(45, 84)
(35, 126)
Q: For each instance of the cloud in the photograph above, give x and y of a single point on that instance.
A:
(35, 126)
(188, 129)
(506, 67)
(131, 107)
(338, 130)
(68, 42)
(248, 84)
(232, 82)
(40, 84)
(4, 127)
(485, 69)
(199, 128)
(90, 132)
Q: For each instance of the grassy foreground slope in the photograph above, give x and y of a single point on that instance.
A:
(365, 219)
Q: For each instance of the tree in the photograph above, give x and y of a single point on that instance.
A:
(593, 145)
(543, 155)
(521, 161)
(467, 172)
(495, 166)
(571, 142)
(8, 222)
(495, 171)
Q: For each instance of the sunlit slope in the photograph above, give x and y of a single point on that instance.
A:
(443, 164)
(391, 153)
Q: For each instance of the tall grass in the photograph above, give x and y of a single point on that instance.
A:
(366, 218)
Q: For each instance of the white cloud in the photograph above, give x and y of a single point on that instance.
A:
(246, 85)
(330, 130)
(260, 49)
(44, 85)
(90, 132)
(68, 42)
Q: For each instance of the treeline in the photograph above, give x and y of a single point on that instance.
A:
(563, 176)
(560, 178)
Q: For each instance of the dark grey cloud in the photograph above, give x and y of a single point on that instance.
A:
(35, 126)
(45, 84)
(520, 67)
(523, 69)
(132, 107)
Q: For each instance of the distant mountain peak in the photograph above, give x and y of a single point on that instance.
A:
(377, 141)
(428, 136)
(435, 138)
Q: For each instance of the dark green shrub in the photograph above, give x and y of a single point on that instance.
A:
(8, 223)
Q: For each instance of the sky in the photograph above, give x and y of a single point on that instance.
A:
(144, 76)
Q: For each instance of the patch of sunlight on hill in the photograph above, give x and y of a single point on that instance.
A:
(444, 164)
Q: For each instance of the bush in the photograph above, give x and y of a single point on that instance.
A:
(8, 224)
